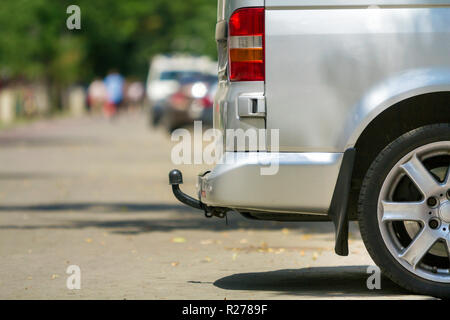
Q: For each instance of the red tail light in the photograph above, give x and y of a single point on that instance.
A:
(207, 102)
(246, 45)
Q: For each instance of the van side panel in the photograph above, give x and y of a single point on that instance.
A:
(323, 63)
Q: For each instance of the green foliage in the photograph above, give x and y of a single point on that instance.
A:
(122, 34)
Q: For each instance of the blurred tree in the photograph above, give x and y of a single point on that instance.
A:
(122, 34)
(35, 43)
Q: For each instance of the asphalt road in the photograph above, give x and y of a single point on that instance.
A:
(94, 193)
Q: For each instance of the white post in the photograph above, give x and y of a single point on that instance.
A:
(7, 106)
(77, 101)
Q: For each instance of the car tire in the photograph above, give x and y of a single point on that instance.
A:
(155, 116)
(389, 248)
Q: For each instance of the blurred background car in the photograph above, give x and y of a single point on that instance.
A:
(166, 74)
(192, 101)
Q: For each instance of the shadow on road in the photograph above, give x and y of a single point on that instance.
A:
(340, 281)
(25, 175)
(97, 207)
(134, 218)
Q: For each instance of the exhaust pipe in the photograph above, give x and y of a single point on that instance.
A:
(175, 179)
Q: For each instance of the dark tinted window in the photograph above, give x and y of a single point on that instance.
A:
(177, 75)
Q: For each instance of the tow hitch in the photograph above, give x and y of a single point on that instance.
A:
(175, 179)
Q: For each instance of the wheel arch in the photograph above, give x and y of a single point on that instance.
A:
(392, 122)
(387, 94)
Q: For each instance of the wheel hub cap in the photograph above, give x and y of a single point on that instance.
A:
(444, 211)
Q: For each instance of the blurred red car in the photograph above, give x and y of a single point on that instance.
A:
(192, 101)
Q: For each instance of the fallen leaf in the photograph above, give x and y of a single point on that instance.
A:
(174, 264)
(54, 276)
(234, 257)
(88, 240)
(302, 253)
(178, 240)
(205, 242)
(305, 237)
(207, 259)
(315, 255)
(29, 278)
(285, 231)
(243, 241)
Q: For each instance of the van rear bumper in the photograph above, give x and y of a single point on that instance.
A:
(273, 182)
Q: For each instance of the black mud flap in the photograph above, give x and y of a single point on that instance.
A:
(339, 204)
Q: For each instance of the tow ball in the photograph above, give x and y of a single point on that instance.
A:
(175, 179)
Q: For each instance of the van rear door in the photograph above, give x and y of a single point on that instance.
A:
(239, 104)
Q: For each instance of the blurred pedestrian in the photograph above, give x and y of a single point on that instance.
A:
(97, 95)
(134, 94)
(114, 87)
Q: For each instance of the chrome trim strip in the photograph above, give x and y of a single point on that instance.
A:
(353, 4)
(375, 6)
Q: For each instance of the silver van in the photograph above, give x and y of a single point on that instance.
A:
(354, 100)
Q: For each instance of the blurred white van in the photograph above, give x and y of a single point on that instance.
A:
(166, 71)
